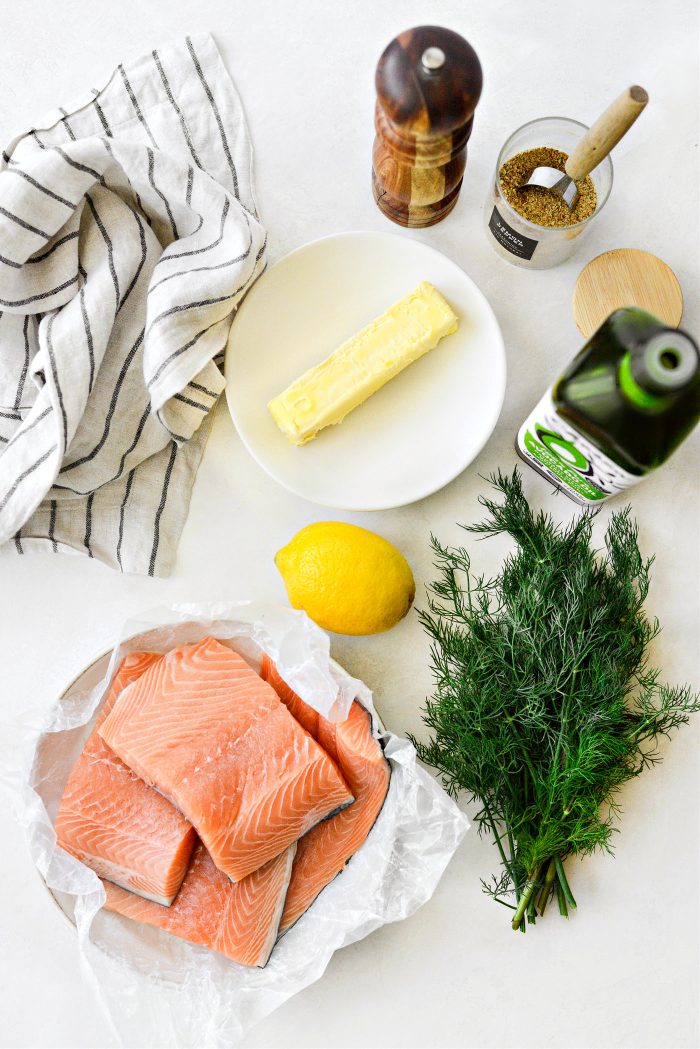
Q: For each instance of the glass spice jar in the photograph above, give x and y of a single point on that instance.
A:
(517, 239)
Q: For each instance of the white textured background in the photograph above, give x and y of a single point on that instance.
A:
(624, 970)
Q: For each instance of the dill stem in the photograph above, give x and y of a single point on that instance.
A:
(531, 909)
(499, 843)
(561, 898)
(528, 890)
(504, 904)
(566, 888)
(511, 850)
(547, 887)
(524, 755)
(641, 727)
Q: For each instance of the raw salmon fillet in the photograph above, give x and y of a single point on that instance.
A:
(214, 738)
(115, 824)
(326, 849)
(238, 919)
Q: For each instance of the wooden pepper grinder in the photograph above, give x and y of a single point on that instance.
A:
(428, 84)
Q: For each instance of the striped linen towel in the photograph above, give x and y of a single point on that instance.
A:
(128, 235)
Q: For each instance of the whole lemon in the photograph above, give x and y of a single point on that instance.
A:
(345, 578)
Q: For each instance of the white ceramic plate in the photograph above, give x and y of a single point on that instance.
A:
(413, 436)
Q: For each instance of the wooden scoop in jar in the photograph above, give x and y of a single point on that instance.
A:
(595, 145)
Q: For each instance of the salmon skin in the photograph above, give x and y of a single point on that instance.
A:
(324, 851)
(238, 919)
(204, 729)
(111, 821)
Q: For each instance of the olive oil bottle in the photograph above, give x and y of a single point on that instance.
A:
(620, 409)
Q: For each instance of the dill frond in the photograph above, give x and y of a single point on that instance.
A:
(544, 703)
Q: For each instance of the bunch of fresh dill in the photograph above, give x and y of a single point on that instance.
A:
(544, 701)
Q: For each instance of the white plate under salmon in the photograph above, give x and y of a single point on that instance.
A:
(196, 744)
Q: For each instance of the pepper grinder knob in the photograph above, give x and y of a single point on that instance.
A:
(433, 58)
(428, 84)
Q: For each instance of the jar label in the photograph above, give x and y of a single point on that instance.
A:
(567, 458)
(507, 237)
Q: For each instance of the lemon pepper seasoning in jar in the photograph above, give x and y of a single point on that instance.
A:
(533, 232)
(540, 205)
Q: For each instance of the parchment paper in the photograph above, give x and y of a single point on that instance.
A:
(158, 990)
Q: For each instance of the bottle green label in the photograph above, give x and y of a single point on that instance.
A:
(567, 458)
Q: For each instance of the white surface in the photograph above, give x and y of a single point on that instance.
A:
(624, 971)
(413, 436)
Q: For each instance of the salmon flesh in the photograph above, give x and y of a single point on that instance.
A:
(202, 727)
(111, 821)
(324, 851)
(238, 919)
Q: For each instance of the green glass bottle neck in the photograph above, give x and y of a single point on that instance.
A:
(651, 377)
(636, 394)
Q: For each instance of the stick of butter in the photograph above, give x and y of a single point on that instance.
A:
(325, 394)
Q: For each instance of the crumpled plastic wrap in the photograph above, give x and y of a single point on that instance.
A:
(158, 990)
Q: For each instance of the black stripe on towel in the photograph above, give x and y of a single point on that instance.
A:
(173, 103)
(41, 295)
(192, 404)
(262, 249)
(54, 370)
(115, 477)
(50, 251)
(139, 202)
(103, 119)
(122, 511)
(26, 473)
(80, 167)
(161, 508)
(179, 437)
(142, 235)
(88, 522)
(64, 121)
(25, 366)
(137, 437)
(203, 389)
(217, 115)
(23, 224)
(184, 306)
(182, 349)
(52, 526)
(43, 189)
(203, 269)
(110, 412)
(25, 430)
(151, 166)
(88, 331)
(110, 247)
(137, 107)
(44, 255)
(207, 247)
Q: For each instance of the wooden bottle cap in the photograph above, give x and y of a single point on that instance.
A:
(626, 277)
(428, 81)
